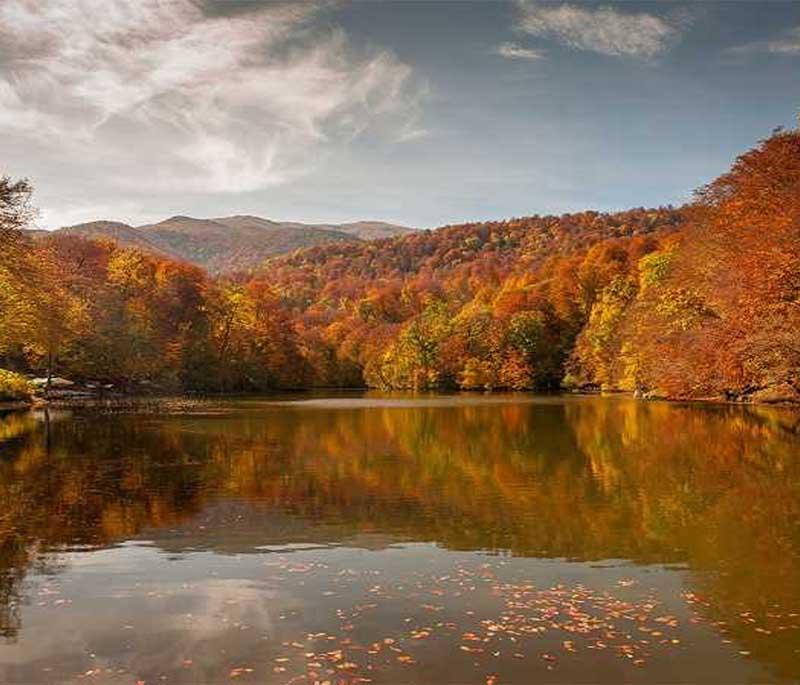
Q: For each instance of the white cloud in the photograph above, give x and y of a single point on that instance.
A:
(516, 51)
(58, 214)
(605, 30)
(786, 44)
(158, 95)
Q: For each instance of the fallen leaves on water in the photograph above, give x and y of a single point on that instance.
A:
(482, 624)
(239, 671)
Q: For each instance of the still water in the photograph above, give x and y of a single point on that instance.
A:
(394, 539)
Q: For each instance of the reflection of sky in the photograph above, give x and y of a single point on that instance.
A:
(135, 612)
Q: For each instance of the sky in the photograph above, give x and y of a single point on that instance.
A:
(422, 113)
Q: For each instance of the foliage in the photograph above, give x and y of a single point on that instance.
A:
(14, 386)
(717, 312)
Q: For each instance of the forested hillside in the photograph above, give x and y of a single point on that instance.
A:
(697, 302)
(493, 305)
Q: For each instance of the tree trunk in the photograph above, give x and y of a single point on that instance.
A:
(49, 370)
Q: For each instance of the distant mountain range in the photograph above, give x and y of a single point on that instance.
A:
(231, 243)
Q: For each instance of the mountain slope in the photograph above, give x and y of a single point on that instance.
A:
(233, 243)
(228, 244)
(372, 230)
(364, 230)
(118, 232)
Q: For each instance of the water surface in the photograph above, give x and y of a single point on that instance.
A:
(401, 539)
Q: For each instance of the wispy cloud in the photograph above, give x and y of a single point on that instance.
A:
(70, 212)
(517, 51)
(159, 94)
(604, 30)
(787, 43)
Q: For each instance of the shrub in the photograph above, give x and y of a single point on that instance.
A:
(13, 386)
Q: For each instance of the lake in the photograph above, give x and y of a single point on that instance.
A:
(401, 539)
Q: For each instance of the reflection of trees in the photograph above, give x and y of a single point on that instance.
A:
(81, 483)
(14, 562)
(13, 426)
(717, 487)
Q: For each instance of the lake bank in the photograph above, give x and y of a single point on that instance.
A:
(186, 402)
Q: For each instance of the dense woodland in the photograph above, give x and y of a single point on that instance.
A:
(697, 302)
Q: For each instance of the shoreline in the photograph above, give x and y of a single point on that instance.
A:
(190, 401)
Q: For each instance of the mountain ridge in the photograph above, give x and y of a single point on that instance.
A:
(240, 242)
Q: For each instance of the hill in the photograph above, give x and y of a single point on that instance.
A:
(416, 311)
(372, 230)
(228, 244)
(118, 232)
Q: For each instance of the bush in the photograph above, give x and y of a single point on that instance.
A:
(13, 386)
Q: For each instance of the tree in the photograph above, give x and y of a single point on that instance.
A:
(17, 271)
(36, 313)
(15, 209)
(413, 361)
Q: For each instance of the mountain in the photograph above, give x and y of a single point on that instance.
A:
(363, 230)
(118, 232)
(234, 243)
(372, 230)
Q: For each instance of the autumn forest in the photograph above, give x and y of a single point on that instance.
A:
(700, 301)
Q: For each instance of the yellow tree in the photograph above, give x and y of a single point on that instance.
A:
(17, 272)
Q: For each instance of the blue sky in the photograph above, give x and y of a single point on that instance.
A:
(422, 113)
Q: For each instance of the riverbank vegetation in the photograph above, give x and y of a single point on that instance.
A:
(702, 301)
(14, 387)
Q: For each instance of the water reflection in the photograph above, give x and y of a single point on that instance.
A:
(712, 489)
